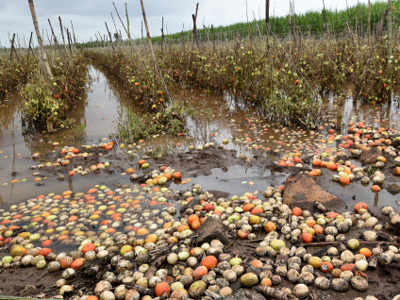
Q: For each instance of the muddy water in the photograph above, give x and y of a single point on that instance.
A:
(387, 115)
(95, 121)
(211, 119)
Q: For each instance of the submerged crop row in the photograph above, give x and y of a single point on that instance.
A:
(284, 80)
(15, 73)
(48, 101)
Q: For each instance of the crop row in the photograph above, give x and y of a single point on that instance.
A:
(285, 80)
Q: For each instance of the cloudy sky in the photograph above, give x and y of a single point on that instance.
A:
(88, 16)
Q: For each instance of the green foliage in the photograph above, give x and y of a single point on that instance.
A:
(338, 22)
(47, 102)
(355, 18)
(136, 76)
(15, 73)
(41, 107)
(285, 81)
(140, 126)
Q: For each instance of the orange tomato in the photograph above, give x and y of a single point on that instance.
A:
(375, 188)
(310, 223)
(77, 263)
(248, 206)
(297, 211)
(266, 282)
(200, 271)
(326, 267)
(318, 229)
(360, 205)
(45, 251)
(192, 218)
(270, 226)
(257, 210)
(88, 247)
(209, 262)
(162, 288)
(366, 252)
(177, 175)
(242, 234)
(46, 243)
(347, 267)
(256, 263)
(195, 224)
(307, 237)
(344, 180)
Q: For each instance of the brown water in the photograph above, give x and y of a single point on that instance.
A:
(212, 120)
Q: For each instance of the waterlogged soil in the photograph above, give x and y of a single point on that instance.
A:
(228, 149)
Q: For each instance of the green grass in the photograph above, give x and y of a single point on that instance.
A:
(355, 18)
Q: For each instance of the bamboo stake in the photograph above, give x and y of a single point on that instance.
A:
(213, 36)
(62, 32)
(13, 53)
(52, 33)
(128, 26)
(73, 32)
(121, 21)
(43, 55)
(69, 41)
(369, 20)
(325, 25)
(113, 20)
(194, 18)
(61, 29)
(30, 50)
(162, 34)
(152, 50)
(267, 19)
(390, 41)
(109, 35)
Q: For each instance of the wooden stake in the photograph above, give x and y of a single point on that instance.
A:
(292, 22)
(267, 20)
(128, 26)
(73, 32)
(43, 55)
(325, 25)
(109, 35)
(30, 50)
(390, 35)
(162, 34)
(121, 21)
(53, 34)
(369, 20)
(213, 36)
(152, 50)
(379, 30)
(13, 52)
(61, 29)
(113, 20)
(69, 41)
(194, 18)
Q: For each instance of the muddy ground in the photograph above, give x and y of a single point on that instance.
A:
(225, 170)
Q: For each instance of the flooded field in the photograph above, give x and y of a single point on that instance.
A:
(85, 181)
(226, 122)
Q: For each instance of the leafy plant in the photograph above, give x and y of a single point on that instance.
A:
(47, 103)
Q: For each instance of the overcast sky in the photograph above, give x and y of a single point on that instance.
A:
(88, 16)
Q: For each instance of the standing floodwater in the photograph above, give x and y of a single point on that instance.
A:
(219, 119)
(92, 122)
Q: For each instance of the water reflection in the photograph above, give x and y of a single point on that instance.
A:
(213, 119)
